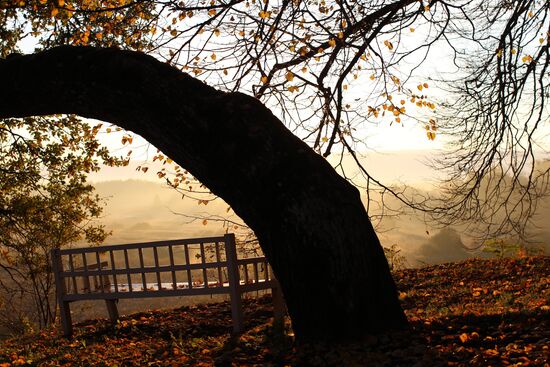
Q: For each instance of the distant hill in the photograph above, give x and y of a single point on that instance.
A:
(139, 210)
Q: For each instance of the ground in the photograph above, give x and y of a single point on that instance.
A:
(473, 313)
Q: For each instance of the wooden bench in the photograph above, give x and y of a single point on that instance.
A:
(198, 266)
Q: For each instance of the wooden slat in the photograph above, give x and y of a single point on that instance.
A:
(127, 263)
(143, 278)
(156, 256)
(218, 258)
(113, 267)
(245, 266)
(171, 254)
(144, 294)
(142, 245)
(256, 276)
(87, 284)
(101, 276)
(203, 260)
(189, 279)
(147, 269)
(71, 267)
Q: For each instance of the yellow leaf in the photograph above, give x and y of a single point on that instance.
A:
(54, 12)
(304, 70)
(331, 42)
(402, 101)
(213, 56)
(217, 32)
(527, 58)
(425, 85)
(419, 87)
(431, 135)
(293, 88)
(411, 29)
(324, 139)
(530, 14)
(265, 14)
(225, 72)
(99, 35)
(212, 12)
(60, 3)
(173, 33)
(345, 86)
(514, 51)
(372, 77)
(289, 76)
(341, 35)
(263, 79)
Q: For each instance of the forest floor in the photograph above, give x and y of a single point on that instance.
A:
(472, 313)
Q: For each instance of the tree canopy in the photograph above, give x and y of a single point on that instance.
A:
(45, 203)
(475, 70)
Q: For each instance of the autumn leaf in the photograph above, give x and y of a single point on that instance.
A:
(289, 76)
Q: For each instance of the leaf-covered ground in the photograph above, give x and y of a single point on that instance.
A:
(473, 313)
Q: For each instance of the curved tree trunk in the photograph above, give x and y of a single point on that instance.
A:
(310, 222)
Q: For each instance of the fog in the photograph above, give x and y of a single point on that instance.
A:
(139, 211)
(145, 209)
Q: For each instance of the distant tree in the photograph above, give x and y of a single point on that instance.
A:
(331, 68)
(45, 203)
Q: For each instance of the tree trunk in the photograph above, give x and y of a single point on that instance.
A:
(310, 221)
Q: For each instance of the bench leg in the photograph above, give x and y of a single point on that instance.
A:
(65, 316)
(112, 309)
(237, 312)
(278, 308)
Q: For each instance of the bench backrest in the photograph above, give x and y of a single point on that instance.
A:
(156, 269)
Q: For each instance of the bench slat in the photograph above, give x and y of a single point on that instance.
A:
(134, 246)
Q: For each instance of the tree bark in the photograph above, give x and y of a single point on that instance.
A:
(310, 222)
